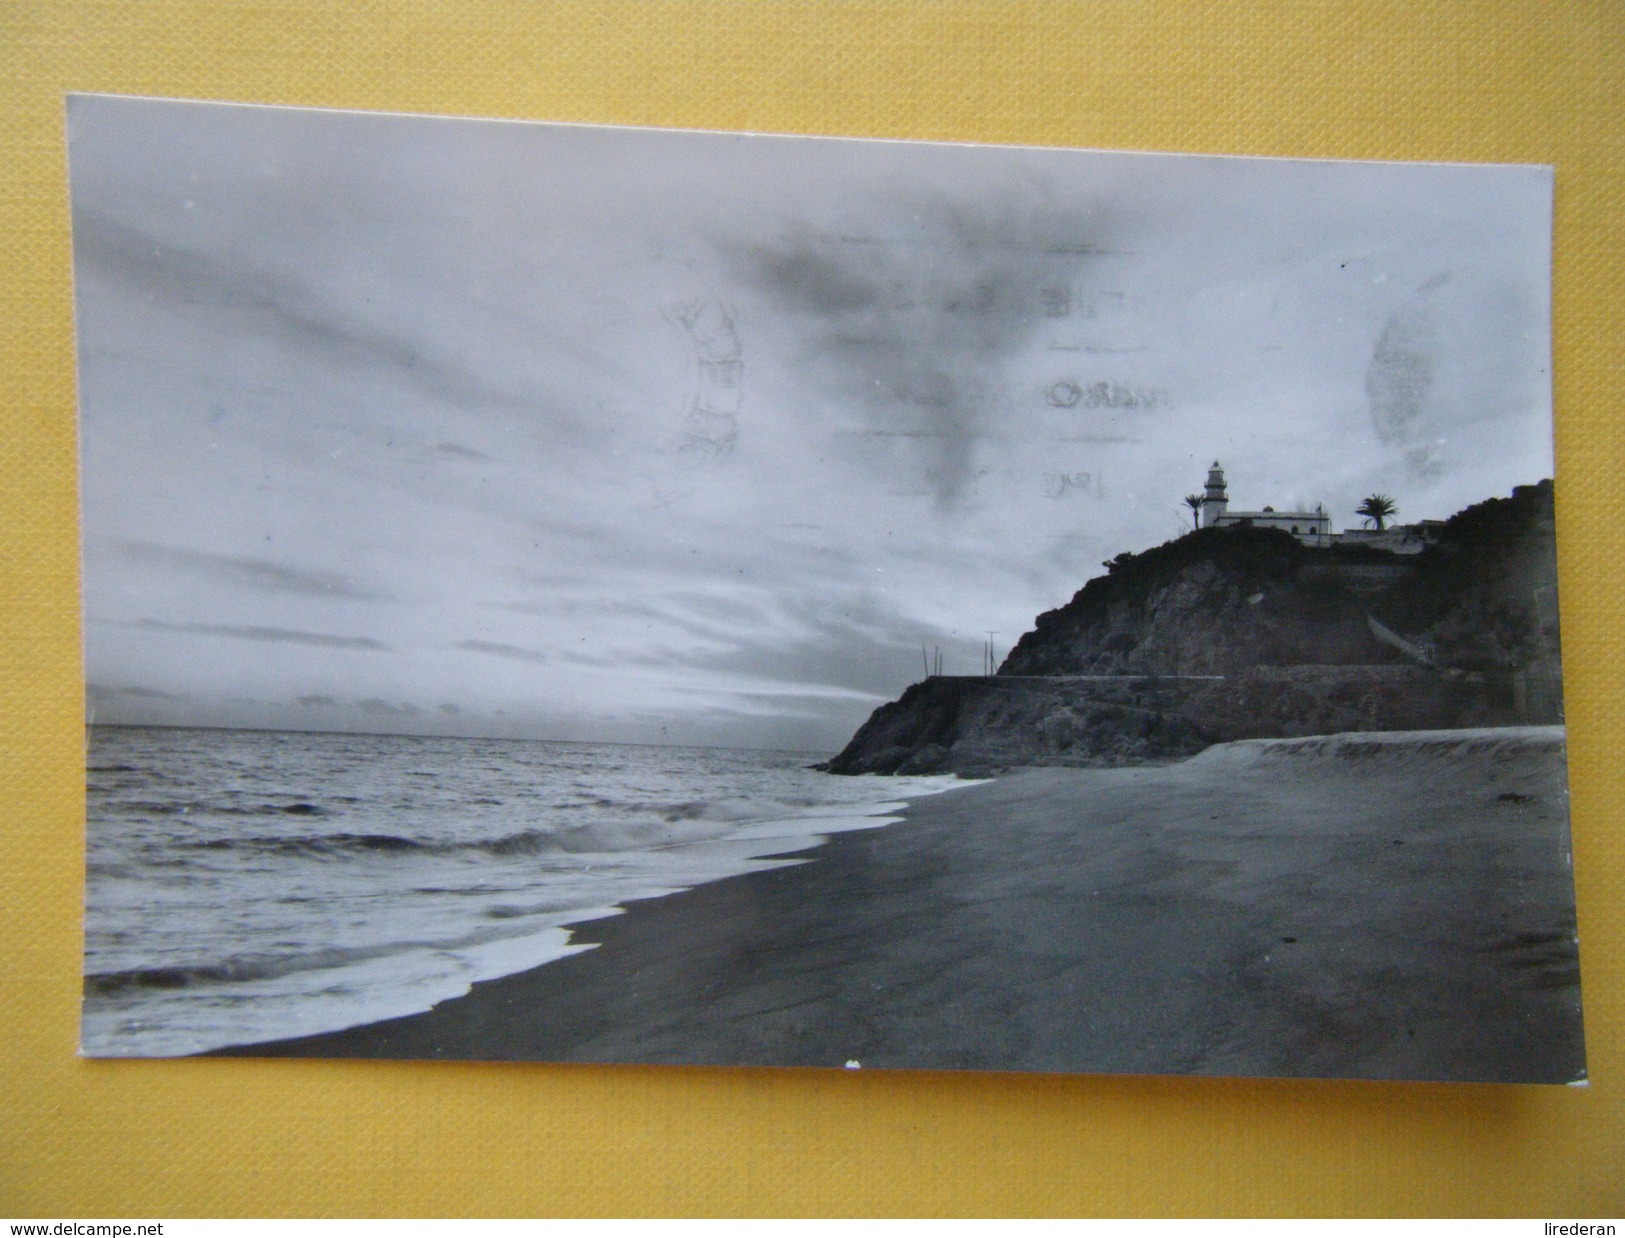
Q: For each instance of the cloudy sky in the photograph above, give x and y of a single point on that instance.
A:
(468, 427)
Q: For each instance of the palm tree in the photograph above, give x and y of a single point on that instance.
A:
(1377, 509)
(1194, 502)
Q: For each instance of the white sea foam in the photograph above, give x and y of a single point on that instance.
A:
(249, 886)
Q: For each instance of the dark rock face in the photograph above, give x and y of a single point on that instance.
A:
(976, 726)
(1241, 633)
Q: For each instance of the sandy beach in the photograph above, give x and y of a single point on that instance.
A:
(1395, 905)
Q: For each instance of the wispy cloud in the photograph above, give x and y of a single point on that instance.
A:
(284, 305)
(256, 573)
(103, 692)
(912, 321)
(354, 384)
(380, 708)
(275, 636)
(498, 650)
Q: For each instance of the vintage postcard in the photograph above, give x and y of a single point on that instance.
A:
(570, 593)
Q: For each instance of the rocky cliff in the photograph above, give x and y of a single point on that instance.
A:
(1240, 633)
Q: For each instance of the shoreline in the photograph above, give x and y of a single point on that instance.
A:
(1382, 905)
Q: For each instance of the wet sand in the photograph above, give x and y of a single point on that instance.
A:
(1391, 906)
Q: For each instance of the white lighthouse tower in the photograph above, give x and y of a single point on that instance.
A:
(1311, 528)
(1216, 501)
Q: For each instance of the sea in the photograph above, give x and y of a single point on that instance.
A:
(244, 886)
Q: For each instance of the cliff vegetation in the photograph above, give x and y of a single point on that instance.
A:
(1236, 633)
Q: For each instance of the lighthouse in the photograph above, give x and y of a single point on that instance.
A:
(1311, 528)
(1216, 501)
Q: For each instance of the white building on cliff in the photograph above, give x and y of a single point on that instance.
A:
(1305, 526)
(1311, 528)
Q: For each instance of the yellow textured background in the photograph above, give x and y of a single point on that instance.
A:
(1524, 81)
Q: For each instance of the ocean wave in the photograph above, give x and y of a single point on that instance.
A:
(313, 844)
(228, 971)
(180, 808)
(568, 840)
(730, 811)
(670, 830)
(435, 885)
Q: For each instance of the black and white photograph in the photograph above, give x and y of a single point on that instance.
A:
(568, 593)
